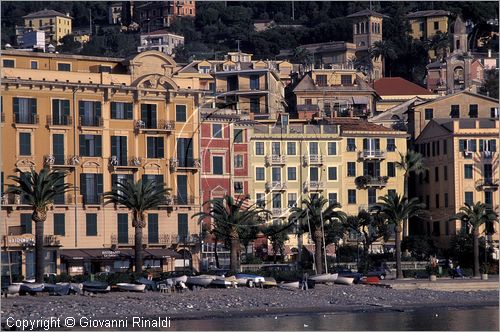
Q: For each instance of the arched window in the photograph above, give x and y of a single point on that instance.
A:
(457, 47)
(373, 27)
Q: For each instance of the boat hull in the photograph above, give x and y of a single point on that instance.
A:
(131, 287)
(31, 288)
(95, 287)
(290, 285)
(249, 279)
(269, 282)
(344, 280)
(202, 281)
(324, 278)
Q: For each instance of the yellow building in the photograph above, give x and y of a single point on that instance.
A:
(345, 160)
(462, 104)
(103, 120)
(55, 24)
(426, 23)
(335, 93)
(461, 156)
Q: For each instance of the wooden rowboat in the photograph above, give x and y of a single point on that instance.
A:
(324, 278)
(269, 282)
(200, 281)
(290, 285)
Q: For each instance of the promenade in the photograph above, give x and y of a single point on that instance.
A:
(445, 284)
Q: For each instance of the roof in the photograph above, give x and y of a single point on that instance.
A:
(46, 13)
(398, 86)
(447, 124)
(398, 111)
(428, 13)
(307, 84)
(160, 32)
(355, 124)
(367, 12)
(459, 92)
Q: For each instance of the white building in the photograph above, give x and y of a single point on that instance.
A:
(160, 40)
(34, 39)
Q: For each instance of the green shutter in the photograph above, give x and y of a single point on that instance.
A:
(98, 145)
(113, 110)
(365, 144)
(15, 102)
(493, 145)
(83, 150)
(481, 145)
(32, 104)
(59, 224)
(123, 149)
(65, 105)
(99, 184)
(160, 147)
(129, 111)
(81, 108)
(83, 183)
(114, 145)
(97, 109)
(151, 147)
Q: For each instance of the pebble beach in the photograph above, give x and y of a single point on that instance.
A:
(239, 302)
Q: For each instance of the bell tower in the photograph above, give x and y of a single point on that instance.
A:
(459, 36)
(366, 30)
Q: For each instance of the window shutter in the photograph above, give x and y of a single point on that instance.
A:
(493, 145)
(97, 109)
(160, 147)
(129, 110)
(33, 106)
(83, 183)
(481, 145)
(113, 110)
(114, 144)
(99, 184)
(114, 179)
(365, 144)
(55, 108)
(65, 109)
(123, 148)
(15, 102)
(98, 145)
(150, 147)
(472, 145)
(83, 151)
(377, 144)
(81, 108)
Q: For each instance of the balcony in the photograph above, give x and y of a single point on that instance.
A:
(10, 199)
(164, 239)
(274, 160)
(117, 164)
(60, 161)
(92, 122)
(372, 154)
(168, 201)
(175, 164)
(25, 119)
(278, 212)
(367, 181)
(313, 186)
(94, 199)
(487, 184)
(162, 126)
(183, 200)
(21, 238)
(59, 121)
(316, 159)
(275, 186)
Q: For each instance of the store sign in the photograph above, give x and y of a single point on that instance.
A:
(20, 240)
(110, 253)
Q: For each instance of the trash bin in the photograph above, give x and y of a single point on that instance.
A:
(440, 270)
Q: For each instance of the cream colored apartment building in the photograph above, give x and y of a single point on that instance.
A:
(102, 120)
(56, 25)
(461, 156)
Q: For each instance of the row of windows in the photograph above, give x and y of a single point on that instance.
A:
(218, 132)
(91, 146)
(90, 111)
(468, 199)
(432, 148)
(91, 225)
(455, 112)
(277, 200)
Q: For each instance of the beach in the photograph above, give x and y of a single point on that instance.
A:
(239, 302)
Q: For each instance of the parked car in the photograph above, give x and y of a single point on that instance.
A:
(379, 272)
(344, 272)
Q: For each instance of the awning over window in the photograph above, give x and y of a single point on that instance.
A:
(360, 100)
(103, 254)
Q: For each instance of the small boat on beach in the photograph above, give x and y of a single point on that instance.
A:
(290, 285)
(344, 280)
(57, 289)
(131, 287)
(74, 288)
(95, 287)
(30, 288)
(176, 280)
(249, 280)
(12, 288)
(221, 282)
(200, 281)
(324, 278)
(269, 282)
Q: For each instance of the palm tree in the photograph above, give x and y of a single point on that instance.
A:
(411, 162)
(316, 216)
(475, 216)
(138, 197)
(440, 43)
(383, 49)
(39, 190)
(371, 226)
(277, 235)
(228, 216)
(395, 209)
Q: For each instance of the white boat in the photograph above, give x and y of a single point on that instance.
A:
(174, 281)
(201, 280)
(221, 282)
(323, 278)
(13, 288)
(131, 287)
(249, 279)
(344, 280)
(269, 282)
(290, 285)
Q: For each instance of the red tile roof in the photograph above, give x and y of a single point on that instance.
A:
(398, 86)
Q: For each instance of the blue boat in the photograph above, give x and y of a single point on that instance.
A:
(31, 288)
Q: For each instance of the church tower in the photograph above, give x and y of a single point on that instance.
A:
(367, 29)
(459, 37)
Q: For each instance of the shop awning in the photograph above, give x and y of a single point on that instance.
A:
(81, 254)
(74, 254)
(161, 253)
